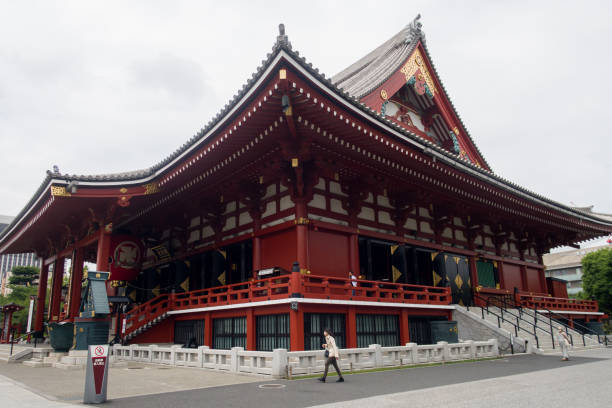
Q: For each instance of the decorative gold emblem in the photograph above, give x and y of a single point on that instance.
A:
(59, 191)
(123, 190)
(456, 130)
(383, 94)
(415, 63)
(282, 74)
(151, 188)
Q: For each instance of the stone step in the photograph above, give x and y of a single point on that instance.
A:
(37, 364)
(64, 366)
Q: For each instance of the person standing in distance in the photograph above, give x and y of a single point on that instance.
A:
(564, 342)
(353, 279)
(331, 352)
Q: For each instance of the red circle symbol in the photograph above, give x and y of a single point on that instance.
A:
(99, 351)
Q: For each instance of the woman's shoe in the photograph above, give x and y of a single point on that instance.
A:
(341, 379)
(322, 379)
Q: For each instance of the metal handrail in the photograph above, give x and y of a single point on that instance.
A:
(558, 322)
(516, 326)
(535, 325)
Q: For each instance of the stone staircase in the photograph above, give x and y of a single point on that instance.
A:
(45, 356)
(545, 343)
(146, 326)
(20, 353)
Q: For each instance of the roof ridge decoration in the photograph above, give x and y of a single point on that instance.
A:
(415, 30)
(282, 39)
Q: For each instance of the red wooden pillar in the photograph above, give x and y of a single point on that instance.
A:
(75, 283)
(500, 273)
(404, 328)
(354, 254)
(256, 255)
(103, 253)
(56, 290)
(42, 296)
(251, 330)
(524, 285)
(296, 326)
(473, 271)
(208, 330)
(302, 234)
(351, 328)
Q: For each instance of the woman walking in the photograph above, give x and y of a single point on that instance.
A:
(564, 343)
(331, 352)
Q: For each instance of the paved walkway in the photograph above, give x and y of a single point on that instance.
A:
(137, 379)
(519, 381)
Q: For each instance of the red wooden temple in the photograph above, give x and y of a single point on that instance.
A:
(246, 234)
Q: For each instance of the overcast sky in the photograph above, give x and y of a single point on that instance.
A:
(103, 86)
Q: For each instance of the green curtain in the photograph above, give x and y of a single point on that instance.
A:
(486, 274)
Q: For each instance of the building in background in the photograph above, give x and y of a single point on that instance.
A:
(567, 265)
(8, 261)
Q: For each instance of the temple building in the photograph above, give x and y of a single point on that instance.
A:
(246, 234)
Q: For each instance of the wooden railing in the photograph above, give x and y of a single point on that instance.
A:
(556, 304)
(264, 289)
(325, 287)
(282, 287)
(142, 314)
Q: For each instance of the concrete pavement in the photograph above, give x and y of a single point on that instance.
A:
(584, 385)
(376, 388)
(519, 381)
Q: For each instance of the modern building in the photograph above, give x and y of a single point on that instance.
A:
(8, 261)
(246, 234)
(567, 265)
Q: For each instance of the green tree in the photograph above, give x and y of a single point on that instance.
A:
(20, 295)
(597, 278)
(23, 275)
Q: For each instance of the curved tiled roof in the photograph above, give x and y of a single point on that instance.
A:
(283, 45)
(371, 71)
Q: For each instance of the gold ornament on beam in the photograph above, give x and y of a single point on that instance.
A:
(415, 63)
(151, 188)
(59, 191)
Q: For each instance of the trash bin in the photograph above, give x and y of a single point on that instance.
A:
(61, 336)
(442, 330)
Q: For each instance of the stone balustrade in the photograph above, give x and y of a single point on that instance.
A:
(280, 363)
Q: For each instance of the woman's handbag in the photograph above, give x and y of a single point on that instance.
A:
(326, 354)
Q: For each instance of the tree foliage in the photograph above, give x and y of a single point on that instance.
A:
(597, 278)
(21, 296)
(23, 275)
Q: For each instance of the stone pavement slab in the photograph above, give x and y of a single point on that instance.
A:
(306, 393)
(16, 395)
(136, 379)
(583, 385)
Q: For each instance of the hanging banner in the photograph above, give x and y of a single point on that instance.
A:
(126, 257)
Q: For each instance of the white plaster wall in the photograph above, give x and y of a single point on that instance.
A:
(318, 201)
(366, 213)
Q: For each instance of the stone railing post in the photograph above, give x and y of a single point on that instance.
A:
(235, 359)
(378, 358)
(173, 353)
(445, 350)
(494, 347)
(201, 355)
(280, 362)
(472, 347)
(413, 349)
(152, 348)
(133, 347)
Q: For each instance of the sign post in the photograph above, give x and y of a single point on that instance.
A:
(96, 376)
